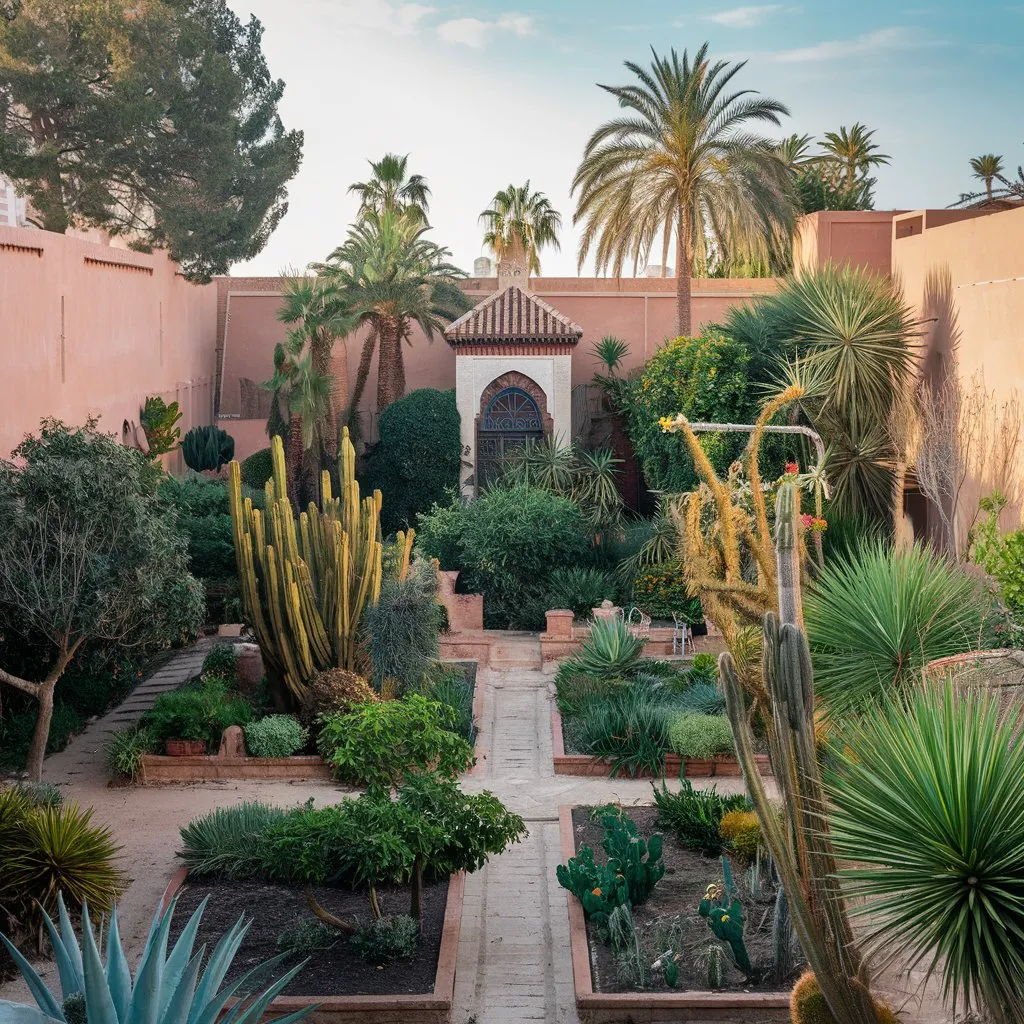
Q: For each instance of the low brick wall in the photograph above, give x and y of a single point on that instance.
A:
(156, 768)
(725, 766)
(429, 1008)
(653, 1007)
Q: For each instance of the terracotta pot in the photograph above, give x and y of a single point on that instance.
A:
(185, 748)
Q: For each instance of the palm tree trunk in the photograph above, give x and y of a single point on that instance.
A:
(362, 375)
(390, 384)
(322, 348)
(684, 297)
(988, 186)
(293, 460)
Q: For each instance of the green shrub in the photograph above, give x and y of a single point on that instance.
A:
(222, 661)
(125, 750)
(1002, 557)
(305, 937)
(741, 833)
(660, 590)
(228, 842)
(275, 736)
(875, 619)
(509, 541)
(333, 691)
(699, 736)
(630, 727)
(448, 685)
(581, 589)
(207, 448)
(257, 469)
(383, 939)
(704, 669)
(417, 458)
(403, 628)
(379, 745)
(610, 651)
(199, 712)
(703, 699)
(694, 816)
(576, 690)
(40, 794)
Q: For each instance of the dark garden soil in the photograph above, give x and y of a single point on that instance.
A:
(337, 971)
(676, 896)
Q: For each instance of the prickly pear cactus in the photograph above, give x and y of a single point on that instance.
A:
(724, 915)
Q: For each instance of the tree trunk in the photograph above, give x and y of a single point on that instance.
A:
(362, 376)
(683, 286)
(41, 733)
(293, 458)
(389, 364)
(416, 887)
(322, 350)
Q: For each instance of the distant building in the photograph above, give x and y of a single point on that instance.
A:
(12, 206)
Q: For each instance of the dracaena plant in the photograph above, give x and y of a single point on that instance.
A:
(167, 988)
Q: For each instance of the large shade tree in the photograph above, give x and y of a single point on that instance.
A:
(157, 121)
(87, 553)
(522, 222)
(392, 277)
(683, 162)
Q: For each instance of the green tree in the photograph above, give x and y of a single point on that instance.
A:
(818, 189)
(683, 162)
(522, 222)
(156, 121)
(87, 552)
(852, 152)
(987, 168)
(795, 152)
(391, 188)
(392, 277)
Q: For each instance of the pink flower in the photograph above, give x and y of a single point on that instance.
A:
(807, 520)
(792, 468)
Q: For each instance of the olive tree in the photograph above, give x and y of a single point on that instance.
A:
(87, 553)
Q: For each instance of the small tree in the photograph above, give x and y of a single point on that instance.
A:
(87, 553)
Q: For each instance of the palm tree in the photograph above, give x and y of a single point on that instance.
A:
(987, 167)
(683, 162)
(521, 220)
(389, 190)
(318, 314)
(391, 277)
(852, 152)
(795, 152)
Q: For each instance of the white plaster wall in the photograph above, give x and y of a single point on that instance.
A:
(553, 374)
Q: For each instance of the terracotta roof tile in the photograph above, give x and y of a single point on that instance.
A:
(512, 315)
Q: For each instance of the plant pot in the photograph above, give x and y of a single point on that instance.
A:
(185, 748)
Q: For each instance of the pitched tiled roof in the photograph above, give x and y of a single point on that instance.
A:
(512, 315)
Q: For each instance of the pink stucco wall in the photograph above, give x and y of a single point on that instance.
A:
(860, 238)
(91, 330)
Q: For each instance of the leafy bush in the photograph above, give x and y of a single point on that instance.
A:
(228, 841)
(222, 661)
(576, 690)
(305, 937)
(928, 799)
(257, 469)
(581, 589)
(275, 736)
(403, 628)
(630, 727)
(379, 745)
(660, 590)
(704, 669)
(159, 423)
(506, 544)
(1001, 556)
(383, 939)
(875, 619)
(333, 691)
(417, 458)
(207, 448)
(741, 833)
(125, 750)
(694, 816)
(200, 712)
(610, 651)
(699, 736)
(448, 685)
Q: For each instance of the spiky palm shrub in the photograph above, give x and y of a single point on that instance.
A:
(929, 800)
(877, 616)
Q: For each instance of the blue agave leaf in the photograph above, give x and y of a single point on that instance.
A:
(19, 1013)
(40, 993)
(99, 1006)
(119, 977)
(145, 1005)
(70, 971)
(216, 971)
(180, 1000)
(253, 1013)
(180, 956)
(67, 932)
(212, 1010)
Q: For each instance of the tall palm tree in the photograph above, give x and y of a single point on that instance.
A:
(795, 152)
(987, 168)
(853, 152)
(389, 189)
(392, 277)
(683, 162)
(519, 219)
(318, 315)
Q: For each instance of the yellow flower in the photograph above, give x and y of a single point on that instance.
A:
(725, 917)
(596, 892)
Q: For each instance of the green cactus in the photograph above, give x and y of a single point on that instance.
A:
(671, 970)
(637, 860)
(710, 960)
(800, 846)
(207, 448)
(724, 914)
(306, 581)
(599, 889)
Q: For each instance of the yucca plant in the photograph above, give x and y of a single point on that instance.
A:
(610, 650)
(226, 842)
(167, 989)
(928, 799)
(876, 617)
(610, 351)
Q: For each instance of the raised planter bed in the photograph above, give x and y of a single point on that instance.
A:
(157, 768)
(657, 1007)
(583, 764)
(382, 1007)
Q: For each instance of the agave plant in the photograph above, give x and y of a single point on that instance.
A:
(168, 989)
(610, 650)
(928, 799)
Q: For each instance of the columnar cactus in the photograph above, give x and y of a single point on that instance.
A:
(801, 848)
(305, 582)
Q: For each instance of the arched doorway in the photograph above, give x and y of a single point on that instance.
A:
(513, 412)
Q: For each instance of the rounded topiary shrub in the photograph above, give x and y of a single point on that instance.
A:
(700, 736)
(417, 459)
(257, 469)
(275, 736)
(741, 831)
(333, 691)
(807, 1005)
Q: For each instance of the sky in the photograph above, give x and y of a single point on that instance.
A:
(488, 93)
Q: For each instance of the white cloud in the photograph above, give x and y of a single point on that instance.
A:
(744, 17)
(380, 16)
(872, 42)
(476, 33)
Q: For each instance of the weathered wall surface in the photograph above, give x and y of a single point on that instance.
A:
(91, 330)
